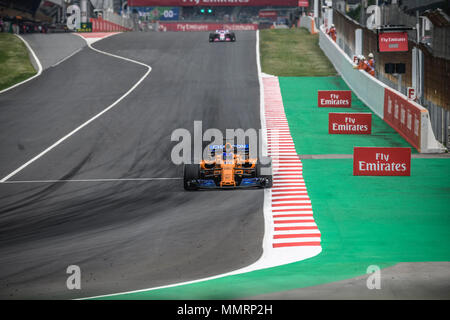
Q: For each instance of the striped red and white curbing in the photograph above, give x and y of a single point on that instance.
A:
(98, 35)
(291, 210)
(92, 37)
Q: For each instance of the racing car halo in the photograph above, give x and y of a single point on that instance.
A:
(222, 36)
(228, 166)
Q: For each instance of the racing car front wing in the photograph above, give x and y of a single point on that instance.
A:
(245, 183)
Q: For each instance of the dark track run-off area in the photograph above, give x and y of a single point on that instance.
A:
(124, 235)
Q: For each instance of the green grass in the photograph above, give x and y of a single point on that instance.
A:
(293, 53)
(15, 65)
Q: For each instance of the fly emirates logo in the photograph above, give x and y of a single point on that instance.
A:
(349, 123)
(334, 98)
(369, 161)
(382, 164)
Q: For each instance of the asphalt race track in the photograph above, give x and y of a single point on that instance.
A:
(124, 234)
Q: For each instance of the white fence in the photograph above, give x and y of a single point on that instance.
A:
(115, 18)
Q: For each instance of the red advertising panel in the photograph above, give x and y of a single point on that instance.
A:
(393, 41)
(404, 116)
(334, 98)
(375, 161)
(268, 14)
(210, 3)
(349, 123)
(198, 26)
(303, 3)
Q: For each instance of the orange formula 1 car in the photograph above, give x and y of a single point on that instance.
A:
(229, 166)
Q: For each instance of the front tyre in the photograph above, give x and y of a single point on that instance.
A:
(190, 176)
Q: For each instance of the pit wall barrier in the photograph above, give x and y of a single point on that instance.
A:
(308, 23)
(199, 26)
(101, 25)
(408, 118)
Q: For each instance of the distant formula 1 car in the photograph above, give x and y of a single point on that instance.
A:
(222, 36)
(229, 166)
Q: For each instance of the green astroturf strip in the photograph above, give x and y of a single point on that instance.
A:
(383, 219)
(363, 221)
(309, 124)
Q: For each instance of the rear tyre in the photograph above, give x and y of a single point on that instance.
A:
(191, 172)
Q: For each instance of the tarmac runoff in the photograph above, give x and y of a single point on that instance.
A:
(53, 48)
(404, 281)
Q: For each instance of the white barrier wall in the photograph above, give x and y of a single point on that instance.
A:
(373, 93)
(308, 23)
(362, 84)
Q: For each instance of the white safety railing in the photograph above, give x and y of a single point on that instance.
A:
(115, 18)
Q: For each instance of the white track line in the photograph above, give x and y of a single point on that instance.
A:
(91, 119)
(39, 71)
(68, 57)
(88, 180)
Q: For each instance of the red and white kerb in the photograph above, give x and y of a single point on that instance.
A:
(291, 210)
